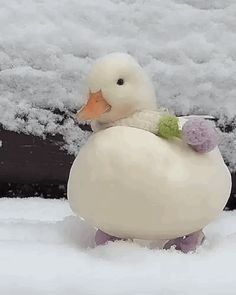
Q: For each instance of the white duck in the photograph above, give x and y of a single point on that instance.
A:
(130, 183)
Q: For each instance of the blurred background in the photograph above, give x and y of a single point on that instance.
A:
(187, 47)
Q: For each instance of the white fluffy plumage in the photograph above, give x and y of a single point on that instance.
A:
(131, 183)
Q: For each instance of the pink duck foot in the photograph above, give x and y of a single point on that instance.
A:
(102, 238)
(200, 134)
(188, 243)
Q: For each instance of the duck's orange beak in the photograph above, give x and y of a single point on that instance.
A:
(94, 108)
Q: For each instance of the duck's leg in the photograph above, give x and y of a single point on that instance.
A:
(102, 238)
(187, 243)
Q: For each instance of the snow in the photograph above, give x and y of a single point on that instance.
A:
(45, 249)
(46, 48)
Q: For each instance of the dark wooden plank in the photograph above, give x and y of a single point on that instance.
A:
(43, 190)
(31, 159)
(33, 166)
(231, 205)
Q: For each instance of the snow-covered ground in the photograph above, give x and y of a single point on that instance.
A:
(44, 249)
(46, 48)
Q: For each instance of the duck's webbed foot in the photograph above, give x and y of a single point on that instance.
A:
(187, 243)
(200, 135)
(102, 238)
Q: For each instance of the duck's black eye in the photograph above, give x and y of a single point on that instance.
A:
(120, 82)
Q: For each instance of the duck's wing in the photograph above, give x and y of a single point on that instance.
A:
(184, 119)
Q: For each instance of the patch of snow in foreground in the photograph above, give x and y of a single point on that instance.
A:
(44, 249)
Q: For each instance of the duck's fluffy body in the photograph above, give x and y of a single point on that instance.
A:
(127, 181)
(131, 183)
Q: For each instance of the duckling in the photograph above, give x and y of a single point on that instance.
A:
(130, 183)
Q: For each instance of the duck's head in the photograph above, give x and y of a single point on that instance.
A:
(118, 87)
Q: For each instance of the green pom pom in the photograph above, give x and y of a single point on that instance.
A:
(169, 127)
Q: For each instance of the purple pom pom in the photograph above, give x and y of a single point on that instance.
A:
(206, 147)
(200, 134)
